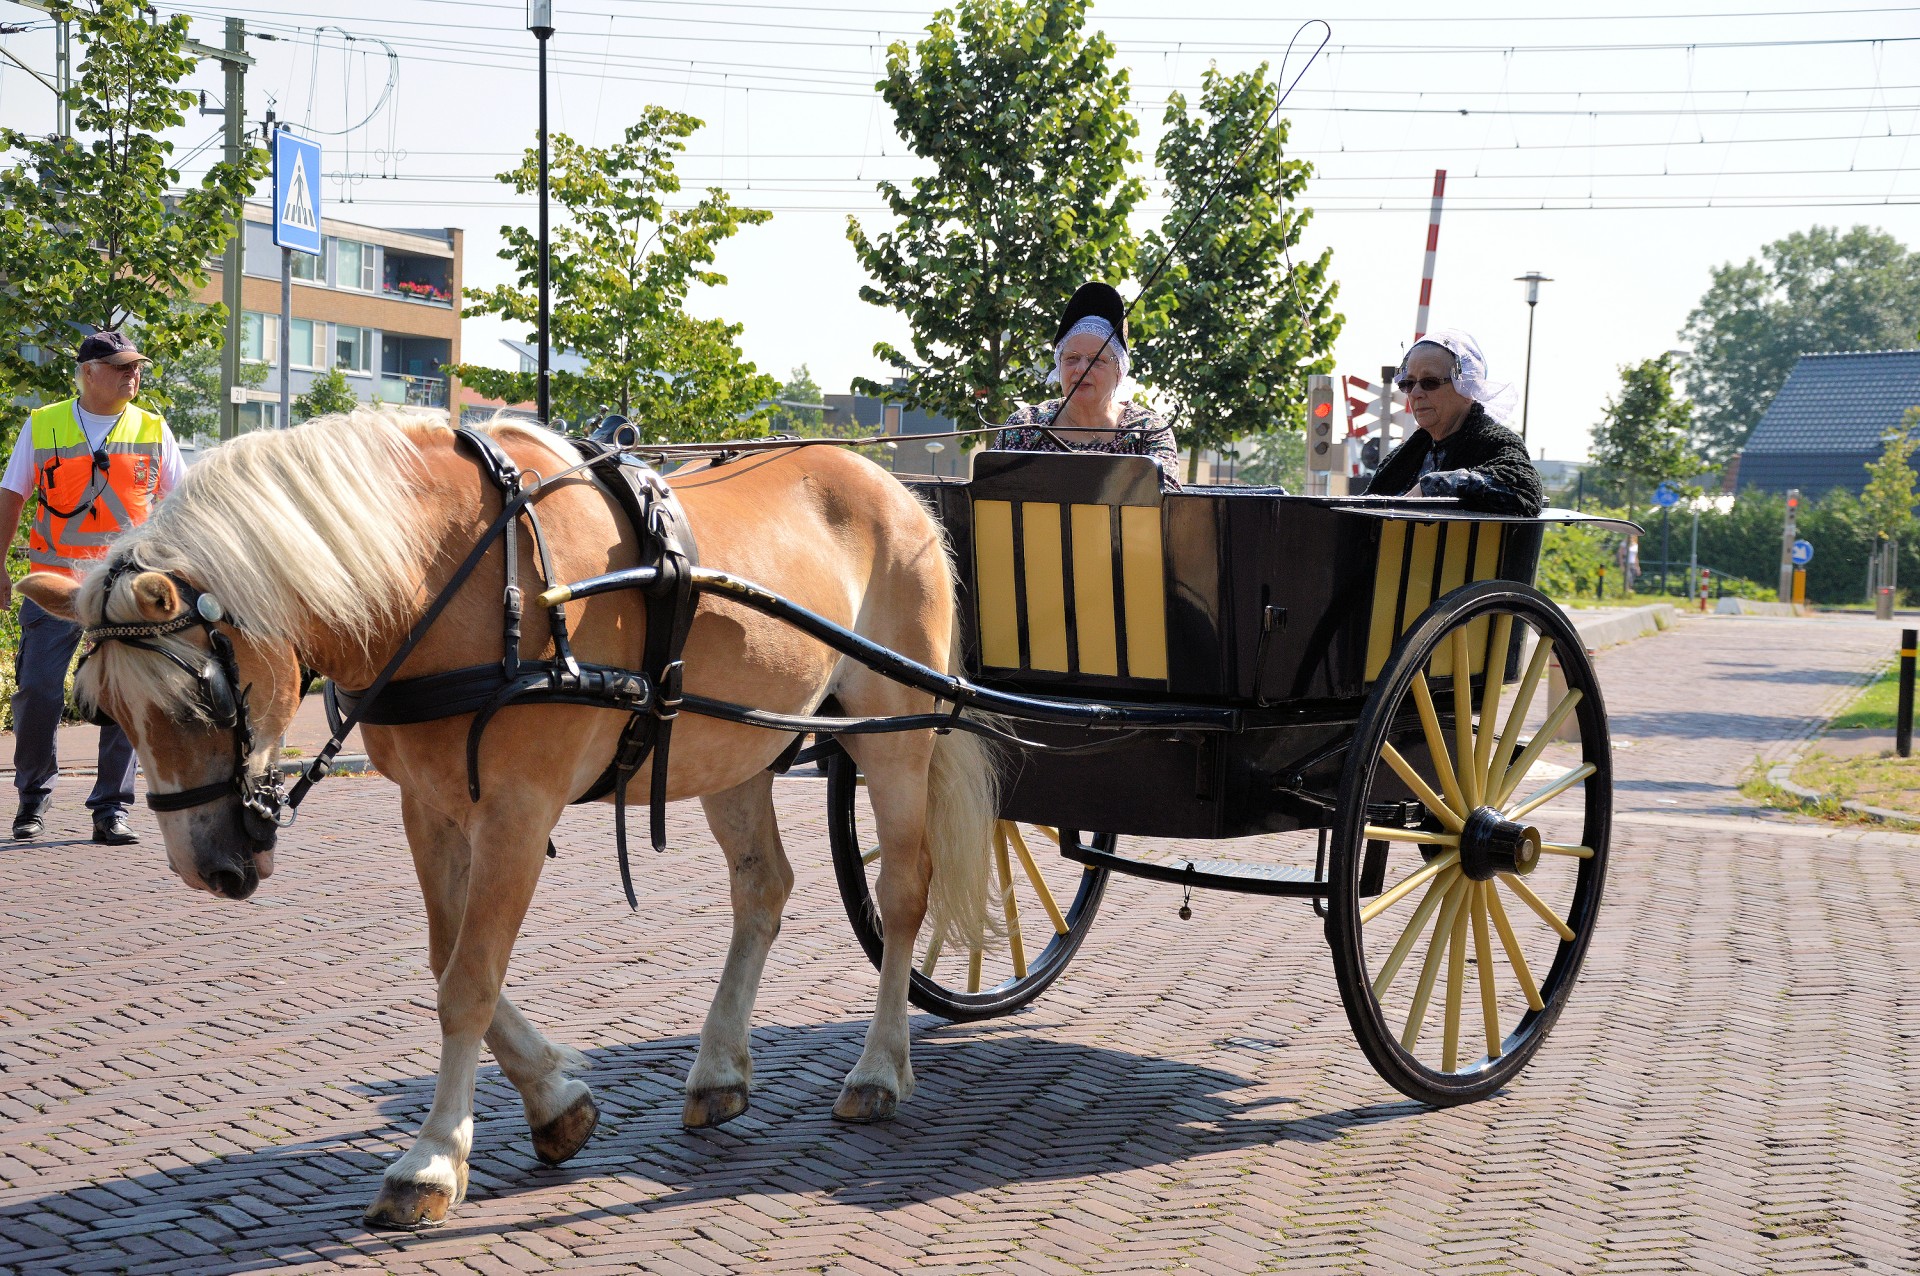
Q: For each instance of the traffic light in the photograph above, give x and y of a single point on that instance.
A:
(1322, 455)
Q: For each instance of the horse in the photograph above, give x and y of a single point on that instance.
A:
(325, 543)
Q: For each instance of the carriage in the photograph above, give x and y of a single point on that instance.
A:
(1361, 702)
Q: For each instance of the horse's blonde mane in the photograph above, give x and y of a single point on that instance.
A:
(320, 523)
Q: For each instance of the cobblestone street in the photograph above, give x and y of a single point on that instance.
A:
(202, 1086)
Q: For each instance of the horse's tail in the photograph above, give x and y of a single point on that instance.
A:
(963, 802)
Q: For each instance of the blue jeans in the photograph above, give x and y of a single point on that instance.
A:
(47, 644)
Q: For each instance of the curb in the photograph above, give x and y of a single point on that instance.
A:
(1781, 777)
(345, 764)
(1611, 630)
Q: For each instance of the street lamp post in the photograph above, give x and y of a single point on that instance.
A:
(1532, 279)
(540, 22)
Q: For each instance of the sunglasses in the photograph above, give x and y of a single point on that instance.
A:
(1407, 385)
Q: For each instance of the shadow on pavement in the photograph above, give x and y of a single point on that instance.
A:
(992, 1107)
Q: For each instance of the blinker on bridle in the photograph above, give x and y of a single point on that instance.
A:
(263, 799)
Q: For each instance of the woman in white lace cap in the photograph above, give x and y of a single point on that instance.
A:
(1460, 448)
(1090, 361)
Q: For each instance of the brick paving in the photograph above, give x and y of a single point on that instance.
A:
(192, 1085)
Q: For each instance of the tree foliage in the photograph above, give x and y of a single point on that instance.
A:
(621, 268)
(1642, 437)
(1816, 290)
(1025, 123)
(1233, 326)
(787, 418)
(328, 393)
(96, 232)
(1887, 503)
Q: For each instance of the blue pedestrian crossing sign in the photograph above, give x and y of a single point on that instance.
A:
(1802, 553)
(1666, 496)
(296, 192)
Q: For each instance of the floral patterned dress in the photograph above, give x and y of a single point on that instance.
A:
(1142, 432)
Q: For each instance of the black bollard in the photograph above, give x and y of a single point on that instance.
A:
(1903, 718)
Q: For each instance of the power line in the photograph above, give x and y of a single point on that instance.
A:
(1186, 18)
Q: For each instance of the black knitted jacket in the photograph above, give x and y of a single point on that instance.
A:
(1483, 463)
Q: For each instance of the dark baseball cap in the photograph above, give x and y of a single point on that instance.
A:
(111, 345)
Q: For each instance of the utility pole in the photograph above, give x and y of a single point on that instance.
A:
(235, 260)
(63, 76)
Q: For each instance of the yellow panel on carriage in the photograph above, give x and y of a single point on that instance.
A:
(1419, 563)
(1079, 591)
(1046, 586)
(1093, 590)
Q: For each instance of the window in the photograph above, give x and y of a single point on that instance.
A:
(255, 416)
(259, 337)
(309, 344)
(354, 264)
(311, 267)
(352, 348)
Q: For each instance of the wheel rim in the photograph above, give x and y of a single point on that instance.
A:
(1486, 828)
(1041, 907)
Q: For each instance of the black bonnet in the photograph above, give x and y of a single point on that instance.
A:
(1096, 299)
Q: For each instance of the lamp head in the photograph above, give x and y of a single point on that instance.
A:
(540, 17)
(1533, 279)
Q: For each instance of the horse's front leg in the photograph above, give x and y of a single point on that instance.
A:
(897, 789)
(477, 887)
(759, 879)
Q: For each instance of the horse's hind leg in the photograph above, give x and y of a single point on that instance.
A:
(759, 879)
(432, 1177)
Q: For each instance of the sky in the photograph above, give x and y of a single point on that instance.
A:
(1624, 155)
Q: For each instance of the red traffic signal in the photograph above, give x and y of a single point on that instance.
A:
(1323, 410)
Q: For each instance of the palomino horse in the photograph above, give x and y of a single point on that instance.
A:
(325, 543)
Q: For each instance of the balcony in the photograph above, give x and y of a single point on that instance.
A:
(417, 392)
(425, 280)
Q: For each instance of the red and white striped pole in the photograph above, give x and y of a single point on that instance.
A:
(1433, 244)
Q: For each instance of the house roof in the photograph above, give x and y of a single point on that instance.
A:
(558, 360)
(1838, 404)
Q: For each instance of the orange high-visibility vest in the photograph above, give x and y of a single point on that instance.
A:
(83, 507)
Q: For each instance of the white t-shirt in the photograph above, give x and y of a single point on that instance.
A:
(20, 476)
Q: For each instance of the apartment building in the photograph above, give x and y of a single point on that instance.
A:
(381, 305)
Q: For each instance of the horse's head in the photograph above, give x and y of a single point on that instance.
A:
(203, 701)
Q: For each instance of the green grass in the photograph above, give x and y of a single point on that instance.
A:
(1874, 707)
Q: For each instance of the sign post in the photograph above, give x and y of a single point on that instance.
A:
(1666, 496)
(296, 229)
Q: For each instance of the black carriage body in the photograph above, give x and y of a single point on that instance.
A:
(1081, 580)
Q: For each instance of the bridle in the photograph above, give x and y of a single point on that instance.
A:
(224, 703)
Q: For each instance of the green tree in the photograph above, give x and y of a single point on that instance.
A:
(1642, 438)
(190, 386)
(787, 418)
(622, 265)
(1815, 290)
(328, 393)
(1024, 121)
(97, 232)
(1887, 503)
(1233, 326)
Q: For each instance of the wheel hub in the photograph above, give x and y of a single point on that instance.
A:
(1491, 843)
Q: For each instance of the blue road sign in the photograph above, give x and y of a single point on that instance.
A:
(296, 192)
(1802, 553)
(1666, 496)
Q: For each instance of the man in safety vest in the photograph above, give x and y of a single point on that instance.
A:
(98, 464)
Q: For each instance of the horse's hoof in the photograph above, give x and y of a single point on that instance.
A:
(408, 1206)
(708, 1108)
(556, 1141)
(864, 1103)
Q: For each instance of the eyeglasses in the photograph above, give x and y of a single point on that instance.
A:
(1407, 385)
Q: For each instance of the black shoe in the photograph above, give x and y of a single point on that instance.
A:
(30, 820)
(112, 830)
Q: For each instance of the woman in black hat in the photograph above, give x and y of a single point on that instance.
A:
(1090, 363)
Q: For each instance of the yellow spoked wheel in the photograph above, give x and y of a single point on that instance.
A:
(1470, 843)
(1044, 906)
